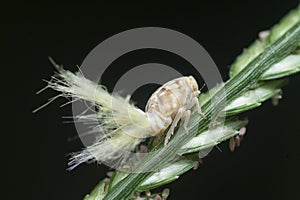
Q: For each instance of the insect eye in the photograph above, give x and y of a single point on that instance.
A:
(193, 83)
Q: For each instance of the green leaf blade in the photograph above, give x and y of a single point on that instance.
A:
(288, 66)
(167, 174)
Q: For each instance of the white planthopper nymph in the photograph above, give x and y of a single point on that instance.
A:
(170, 103)
(124, 125)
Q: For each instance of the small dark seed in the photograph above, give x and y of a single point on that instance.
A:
(231, 144)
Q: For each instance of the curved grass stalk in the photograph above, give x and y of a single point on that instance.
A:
(257, 75)
(247, 79)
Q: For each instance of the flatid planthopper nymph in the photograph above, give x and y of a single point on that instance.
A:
(170, 103)
(123, 125)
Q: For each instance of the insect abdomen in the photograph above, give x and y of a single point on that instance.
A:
(158, 122)
(164, 103)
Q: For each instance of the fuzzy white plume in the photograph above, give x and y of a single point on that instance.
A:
(124, 125)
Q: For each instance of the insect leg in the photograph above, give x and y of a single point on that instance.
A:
(195, 101)
(187, 116)
(170, 132)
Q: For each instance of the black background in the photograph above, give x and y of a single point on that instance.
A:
(34, 146)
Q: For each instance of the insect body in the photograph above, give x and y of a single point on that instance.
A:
(124, 125)
(170, 103)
